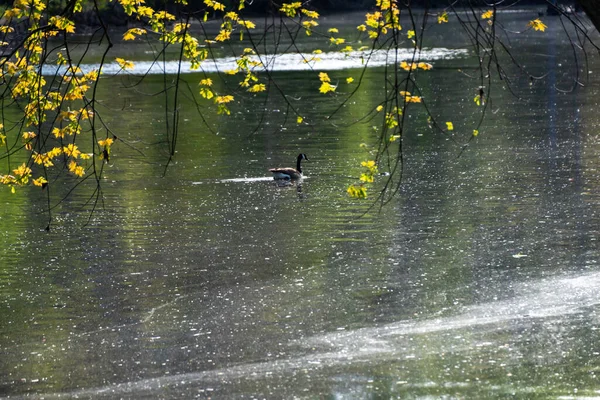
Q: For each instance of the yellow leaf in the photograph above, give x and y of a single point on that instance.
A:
(131, 33)
(231, 15)
(357, 191)
(62, 23)
(76, 169)
(215, 5)
(366, 178)
(309, 13)
(247, 24)
(537, 25)
(425, 66)
(22, 171)
(106, 142)
(56, 151)
(323, 77)
(223, 35)
(450, 126)
(42, 159)
(223, 99)
(443, 18)
(144, 11)
(407, 67)
(373, 19)
(124, 64)
(369, 164)
(332, 30)
(390, 120)
(327, 87)
(487, 15)
(290, 9)
(259, 87)
(309, 24)
(71, 150)
(40, 181)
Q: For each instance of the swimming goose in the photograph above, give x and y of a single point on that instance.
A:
(289, 173)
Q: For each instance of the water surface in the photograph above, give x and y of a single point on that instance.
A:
(479, 280)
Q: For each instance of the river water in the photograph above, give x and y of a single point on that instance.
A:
(479, 280)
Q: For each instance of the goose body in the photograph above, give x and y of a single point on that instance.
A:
(289, 173)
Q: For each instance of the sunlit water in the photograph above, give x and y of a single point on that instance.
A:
(479, 280)
(328, 61)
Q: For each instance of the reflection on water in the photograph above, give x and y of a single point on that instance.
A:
(243, 180)
(328, 61)
(394, 344)
(478, 333)
(216, 282)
